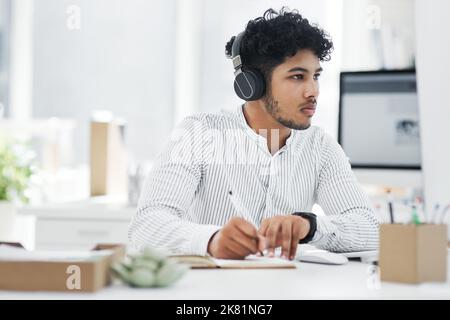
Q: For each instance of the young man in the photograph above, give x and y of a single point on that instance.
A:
(236, 183)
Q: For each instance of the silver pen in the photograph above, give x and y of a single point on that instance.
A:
(240, 210)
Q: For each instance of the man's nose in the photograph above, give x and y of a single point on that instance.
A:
(311, 90)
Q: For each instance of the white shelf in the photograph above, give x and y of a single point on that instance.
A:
(92, 209)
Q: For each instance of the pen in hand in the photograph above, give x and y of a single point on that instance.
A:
(240, 212)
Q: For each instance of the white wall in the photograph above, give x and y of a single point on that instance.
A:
(5, 17)
(187, 58)
(121, 59)
(379, 34)
(153, 62)
(21, 60)
(433, 72)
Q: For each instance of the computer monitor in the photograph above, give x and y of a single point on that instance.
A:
(379, 127)
(379, 119)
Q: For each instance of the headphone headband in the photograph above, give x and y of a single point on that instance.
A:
(236, 47)
(236, 52)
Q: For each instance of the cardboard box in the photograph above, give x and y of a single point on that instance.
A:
(108, 161)
(413, 253)
(69, 276)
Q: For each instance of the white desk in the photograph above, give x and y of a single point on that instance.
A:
(308, 281)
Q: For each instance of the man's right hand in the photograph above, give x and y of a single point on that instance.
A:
(236, 240)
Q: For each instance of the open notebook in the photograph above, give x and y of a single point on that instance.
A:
(250, 262)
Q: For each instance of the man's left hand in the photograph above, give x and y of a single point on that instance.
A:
(284, 231)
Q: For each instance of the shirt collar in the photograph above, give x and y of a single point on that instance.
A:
(250, 132)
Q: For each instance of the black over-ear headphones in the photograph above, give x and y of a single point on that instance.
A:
(249, 83)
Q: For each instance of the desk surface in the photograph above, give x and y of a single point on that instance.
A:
(308, 281)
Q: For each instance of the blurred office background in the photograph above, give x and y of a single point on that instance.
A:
(151, 63)
(154, 62)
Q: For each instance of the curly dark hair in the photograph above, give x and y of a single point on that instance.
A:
(270, 39)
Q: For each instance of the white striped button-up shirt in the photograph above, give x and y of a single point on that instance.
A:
(186, 196)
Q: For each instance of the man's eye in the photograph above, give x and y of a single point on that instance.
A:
(316, 76)
(297, 77)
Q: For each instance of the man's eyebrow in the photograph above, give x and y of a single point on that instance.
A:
(303, 69)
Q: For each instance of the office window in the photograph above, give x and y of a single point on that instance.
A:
(106, 55)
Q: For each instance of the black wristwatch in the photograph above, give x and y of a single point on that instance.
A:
(311, 217)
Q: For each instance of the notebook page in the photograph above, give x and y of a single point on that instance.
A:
(253, 261)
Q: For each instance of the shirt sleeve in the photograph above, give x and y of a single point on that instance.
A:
(168, 192)
(349, 223)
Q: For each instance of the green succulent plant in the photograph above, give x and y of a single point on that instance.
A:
(16, 169)
(152, 268)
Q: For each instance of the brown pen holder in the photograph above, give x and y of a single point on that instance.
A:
(412, 253)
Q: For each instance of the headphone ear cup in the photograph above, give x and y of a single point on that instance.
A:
(249, 84)
(260, 84)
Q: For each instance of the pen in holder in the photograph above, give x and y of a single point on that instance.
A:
(413, 253)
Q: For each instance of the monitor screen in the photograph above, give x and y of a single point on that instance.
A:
(379, 119)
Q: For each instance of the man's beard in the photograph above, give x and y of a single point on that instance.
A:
(273, 109)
